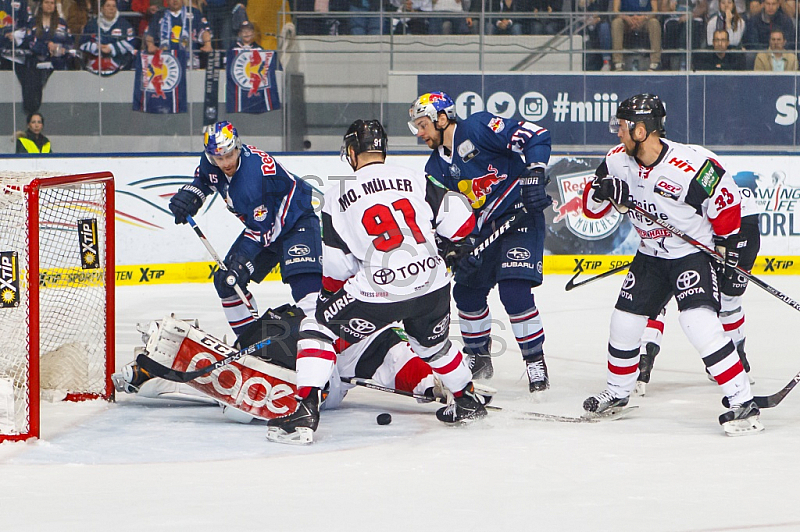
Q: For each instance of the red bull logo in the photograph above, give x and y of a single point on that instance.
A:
(5, 19)
(161, 73)
(250, 70)
(570, 209)
(478, 188)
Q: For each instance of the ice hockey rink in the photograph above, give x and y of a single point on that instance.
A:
(142, 464)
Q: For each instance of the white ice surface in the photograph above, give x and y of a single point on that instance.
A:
(144, 464)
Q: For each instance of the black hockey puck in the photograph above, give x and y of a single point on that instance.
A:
(384, 419)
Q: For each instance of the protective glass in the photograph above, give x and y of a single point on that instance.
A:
(615, 123)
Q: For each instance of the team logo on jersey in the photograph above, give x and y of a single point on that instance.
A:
(477, 188)
(9, 279)
(570, 209)
(299, 250)
(250, 70)
(668, 189)
(383, 276)
(455, 171)
(497, 124)
(87, 236)
(467, 151)
(518, 254)
(161, 73)
(361, 326)
(260, 213)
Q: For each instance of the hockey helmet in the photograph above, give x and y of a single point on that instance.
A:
(645, 108)
(220, 139)
(430, 105)
(364, 136)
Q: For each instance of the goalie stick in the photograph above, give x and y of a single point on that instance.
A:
(716, 256)
(572, 284)
(159, 370)
(221, 265)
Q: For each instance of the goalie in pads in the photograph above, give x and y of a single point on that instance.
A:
(263, 385)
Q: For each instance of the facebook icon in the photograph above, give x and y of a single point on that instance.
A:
(467, 104)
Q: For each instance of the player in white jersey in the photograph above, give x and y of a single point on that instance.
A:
(691, 192)
(731, 287)
(381, 266)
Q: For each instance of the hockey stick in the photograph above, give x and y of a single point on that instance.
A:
(510, 223)
(159, 370)
(770, 401)
(572, 284)
(221, 265)
(356, 381)
(716, 256)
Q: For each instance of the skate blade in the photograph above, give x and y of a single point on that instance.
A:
(615, 412)
(301, 436)
(641, 388)
(743, 427)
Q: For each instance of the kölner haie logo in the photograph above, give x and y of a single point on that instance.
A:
(570, 209)
(9, 279)
(87, 235)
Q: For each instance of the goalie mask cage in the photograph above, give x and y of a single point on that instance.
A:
(56, 293)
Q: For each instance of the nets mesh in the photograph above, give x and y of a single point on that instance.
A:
(72, 298)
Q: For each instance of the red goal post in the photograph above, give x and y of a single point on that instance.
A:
(56, 293)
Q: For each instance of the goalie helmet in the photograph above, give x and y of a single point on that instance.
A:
(645, 108)
(364, 136)
(430, 105)
(220, 139)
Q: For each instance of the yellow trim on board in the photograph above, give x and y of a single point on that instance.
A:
(202, 272)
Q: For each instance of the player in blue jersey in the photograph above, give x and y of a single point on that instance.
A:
(499, 164)
(281, 226)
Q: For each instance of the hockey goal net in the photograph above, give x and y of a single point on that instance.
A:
(56, 293)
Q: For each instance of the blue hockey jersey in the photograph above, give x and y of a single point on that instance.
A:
(262, 194)
(489, 155)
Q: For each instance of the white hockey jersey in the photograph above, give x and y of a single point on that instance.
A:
(378, 233)
(685, 188)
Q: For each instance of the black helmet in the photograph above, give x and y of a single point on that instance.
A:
(364, 135)
(646, 108)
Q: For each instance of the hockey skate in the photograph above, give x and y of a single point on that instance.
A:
(646, 361)
(538, 379)
(480, 362)
(741, 420)
(297, 428)
(468, 407)
(604, 404)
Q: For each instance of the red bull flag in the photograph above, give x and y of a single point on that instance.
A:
(160, 83)
(251, 86)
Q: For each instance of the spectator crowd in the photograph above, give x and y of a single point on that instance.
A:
(40, 36)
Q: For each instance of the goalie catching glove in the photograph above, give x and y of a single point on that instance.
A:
(186, 202)
(612, 189)
(533, 183)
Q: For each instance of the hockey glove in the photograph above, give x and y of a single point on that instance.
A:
(239, 271)
(729, 248)
(613, 189)
(186, 202)
(534, 196)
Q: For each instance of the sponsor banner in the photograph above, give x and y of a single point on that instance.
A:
(576, 108)
(9, 279)
(590, 265)
(89, 250)
(147, 235)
